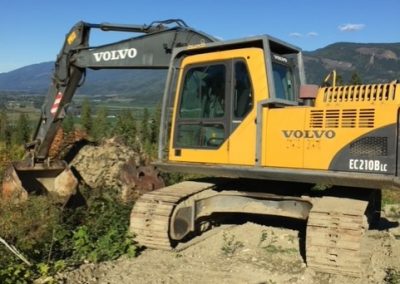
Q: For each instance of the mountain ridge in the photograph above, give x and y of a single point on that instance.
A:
(373, 62)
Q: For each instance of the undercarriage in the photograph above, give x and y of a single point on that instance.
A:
(336, 218)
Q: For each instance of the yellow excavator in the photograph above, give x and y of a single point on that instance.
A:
(239, 111)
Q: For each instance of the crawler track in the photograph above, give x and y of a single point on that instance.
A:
(150, 218)
(335, 231)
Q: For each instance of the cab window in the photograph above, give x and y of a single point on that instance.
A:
(243, 98)
(201, 113)
(203, 93)
(283, 80)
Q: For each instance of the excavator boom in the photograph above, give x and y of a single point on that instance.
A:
(151, 49)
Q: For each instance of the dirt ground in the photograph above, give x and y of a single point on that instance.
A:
(247, 253)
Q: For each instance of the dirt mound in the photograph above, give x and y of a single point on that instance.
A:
(112, 165)
(249, 253)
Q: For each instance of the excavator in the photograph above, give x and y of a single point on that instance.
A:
(239, 112)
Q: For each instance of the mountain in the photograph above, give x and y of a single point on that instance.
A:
(32, 78)
(37, 77)
(373, 63)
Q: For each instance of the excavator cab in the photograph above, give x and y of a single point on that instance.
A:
(222, 91)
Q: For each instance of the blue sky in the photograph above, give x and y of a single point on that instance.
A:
(32, 31)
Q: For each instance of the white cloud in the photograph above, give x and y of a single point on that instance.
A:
(312, 34)
(299, 35)
(296, 35)
(351, 27)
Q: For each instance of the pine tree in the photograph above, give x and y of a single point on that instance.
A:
(101, 127)
(68, 123)
(125, 127)
(86, 116)
(5, 128)
(22, 131)
(355, 79)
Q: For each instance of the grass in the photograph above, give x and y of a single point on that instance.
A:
(390, 196)
(268, 242)
(392, 276)
(230, 245)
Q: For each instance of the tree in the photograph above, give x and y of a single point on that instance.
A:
(5, 128)
(68, 123)
(86, 116)
(355, 79)
(101, 129)
(22, 131)
(125, 127)
(155, 125)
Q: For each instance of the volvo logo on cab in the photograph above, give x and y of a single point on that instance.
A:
(115, 54)
(313, 134)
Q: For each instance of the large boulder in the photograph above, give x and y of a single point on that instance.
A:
(113, 165)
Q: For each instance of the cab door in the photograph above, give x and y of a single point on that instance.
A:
(214, 111)
(201, 113)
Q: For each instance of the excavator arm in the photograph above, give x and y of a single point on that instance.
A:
(151, 49)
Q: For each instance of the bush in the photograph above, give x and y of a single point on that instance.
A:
(103, 232)
(52, 237)
(7, 154)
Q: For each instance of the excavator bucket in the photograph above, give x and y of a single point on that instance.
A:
(56, 180)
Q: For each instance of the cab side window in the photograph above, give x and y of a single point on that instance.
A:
(243, 98)
(283, 80)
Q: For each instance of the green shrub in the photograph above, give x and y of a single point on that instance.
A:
(13, 271)
(269, 242)
(103, 232)
(230, 245)
(52, 237)
(29, 225)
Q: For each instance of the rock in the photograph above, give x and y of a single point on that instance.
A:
(113, 165)
(12, 189)
(65, 185)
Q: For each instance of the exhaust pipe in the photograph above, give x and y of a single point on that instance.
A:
(56, 180)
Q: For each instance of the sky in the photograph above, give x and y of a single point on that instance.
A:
(33, 31)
